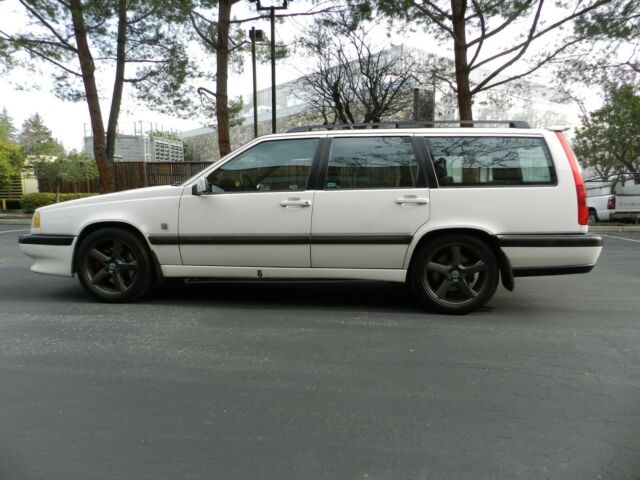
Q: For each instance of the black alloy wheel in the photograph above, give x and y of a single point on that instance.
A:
(114, 265)
(455, 274)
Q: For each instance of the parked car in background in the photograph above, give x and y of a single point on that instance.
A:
(449, 211)
(627, 199)
(600, 200)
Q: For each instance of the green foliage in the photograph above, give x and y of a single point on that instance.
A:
(163, 134)
(235, 107)
(235, 110)
(36, 139)
(615, 20)
(30, 201)
(610, 139)
(10, 161)
(74, 167)
(6, 171)
(7, 130)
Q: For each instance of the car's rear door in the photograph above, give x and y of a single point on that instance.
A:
(374, 196)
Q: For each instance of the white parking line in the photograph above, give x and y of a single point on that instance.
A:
(14, 231)
(622, 238)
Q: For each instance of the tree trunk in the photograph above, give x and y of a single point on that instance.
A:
(91, 91)
(118, 84)
(222, 72)
(459, 10)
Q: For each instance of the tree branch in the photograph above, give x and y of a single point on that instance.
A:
(46, 24)
(285, 15)
(509, 20)
(51, 60)
(484, 85)
(433, 18)
(483, 33)
(525, 44)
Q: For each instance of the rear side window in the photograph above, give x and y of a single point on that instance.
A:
(371, 162)
(491, 161)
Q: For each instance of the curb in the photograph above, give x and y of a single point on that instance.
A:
(614, 229)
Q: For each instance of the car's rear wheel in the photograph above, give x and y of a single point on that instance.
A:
(455, 274)
(114, 265)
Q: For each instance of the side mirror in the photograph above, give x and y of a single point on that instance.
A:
(200, 187)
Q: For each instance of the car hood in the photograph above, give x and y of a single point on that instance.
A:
(135, 194)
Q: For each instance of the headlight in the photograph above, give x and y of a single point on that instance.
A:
(35, 222)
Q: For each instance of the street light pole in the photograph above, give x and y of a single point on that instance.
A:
(272, 16)
(273, 68)
(255, 35)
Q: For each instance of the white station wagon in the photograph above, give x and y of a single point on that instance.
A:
(449, 211)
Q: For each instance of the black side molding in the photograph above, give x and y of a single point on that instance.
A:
(361, 239)
(36, 239)
(229, 239)
(550, 240)
(543, 271)
(280, 239)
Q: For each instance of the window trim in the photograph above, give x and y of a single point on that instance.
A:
(324, 164)
(545, 147)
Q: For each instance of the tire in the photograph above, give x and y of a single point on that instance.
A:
(593, 217)
(114, 265)
(455, 274)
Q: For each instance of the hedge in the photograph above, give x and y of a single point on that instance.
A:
(30, 201)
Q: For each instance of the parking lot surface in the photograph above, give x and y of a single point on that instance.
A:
(327, 381)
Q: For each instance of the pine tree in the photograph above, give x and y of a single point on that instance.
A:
(7, 130)
(36, 139)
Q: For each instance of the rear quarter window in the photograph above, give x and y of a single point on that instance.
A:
(491, 161)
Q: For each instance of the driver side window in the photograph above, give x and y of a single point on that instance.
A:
(272, 166)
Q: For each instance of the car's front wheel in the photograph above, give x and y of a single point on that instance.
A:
(455, 274)
(114, 265)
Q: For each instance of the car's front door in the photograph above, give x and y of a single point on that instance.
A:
(373, 199)
(258, 212)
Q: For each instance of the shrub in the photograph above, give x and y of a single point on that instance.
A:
(30, 201)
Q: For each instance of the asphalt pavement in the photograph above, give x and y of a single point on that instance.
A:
(321, 381)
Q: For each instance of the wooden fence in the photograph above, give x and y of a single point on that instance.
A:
(128, 175)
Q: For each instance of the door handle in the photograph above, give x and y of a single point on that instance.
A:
(295, 202)
(412, 200)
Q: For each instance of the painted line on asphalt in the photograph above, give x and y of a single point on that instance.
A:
(622, 238)
(14, 231)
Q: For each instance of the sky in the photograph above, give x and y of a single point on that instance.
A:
(25, 92)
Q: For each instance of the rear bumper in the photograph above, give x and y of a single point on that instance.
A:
(551, 254)
(625, 215)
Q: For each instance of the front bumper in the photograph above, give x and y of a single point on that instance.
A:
(51, 254)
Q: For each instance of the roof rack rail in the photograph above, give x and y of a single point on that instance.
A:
(408, 124)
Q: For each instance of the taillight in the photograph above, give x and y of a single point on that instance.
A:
(611, 203)
(581, 193)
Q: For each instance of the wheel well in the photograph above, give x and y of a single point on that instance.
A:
(503, 262)
(89, 229)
